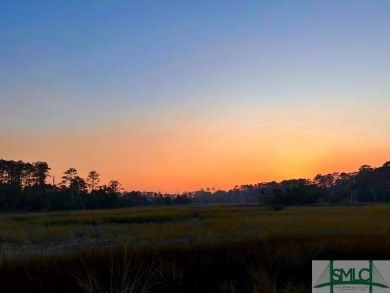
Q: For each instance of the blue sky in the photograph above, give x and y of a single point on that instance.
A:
(67, 65)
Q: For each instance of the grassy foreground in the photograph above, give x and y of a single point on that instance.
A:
(184, 249)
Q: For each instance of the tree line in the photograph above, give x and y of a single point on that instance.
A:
(25, 186)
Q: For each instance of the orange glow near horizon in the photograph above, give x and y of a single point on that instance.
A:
(189, 154)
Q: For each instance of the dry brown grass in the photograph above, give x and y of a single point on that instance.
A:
(177, 249)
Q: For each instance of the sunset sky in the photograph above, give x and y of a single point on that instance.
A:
(174, 96)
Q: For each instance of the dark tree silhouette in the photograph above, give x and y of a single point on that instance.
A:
(93, 179)
(23, 186)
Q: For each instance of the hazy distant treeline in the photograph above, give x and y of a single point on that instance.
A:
(24, 186)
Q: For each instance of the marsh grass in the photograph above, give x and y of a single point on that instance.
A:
(184, 249)
(127, 273)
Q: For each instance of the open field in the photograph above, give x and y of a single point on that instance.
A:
(186, 248)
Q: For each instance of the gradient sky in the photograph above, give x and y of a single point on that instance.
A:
(180, 95)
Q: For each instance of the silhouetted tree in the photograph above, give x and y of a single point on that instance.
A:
(93, 179)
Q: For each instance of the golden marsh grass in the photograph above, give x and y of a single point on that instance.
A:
(234, 248)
